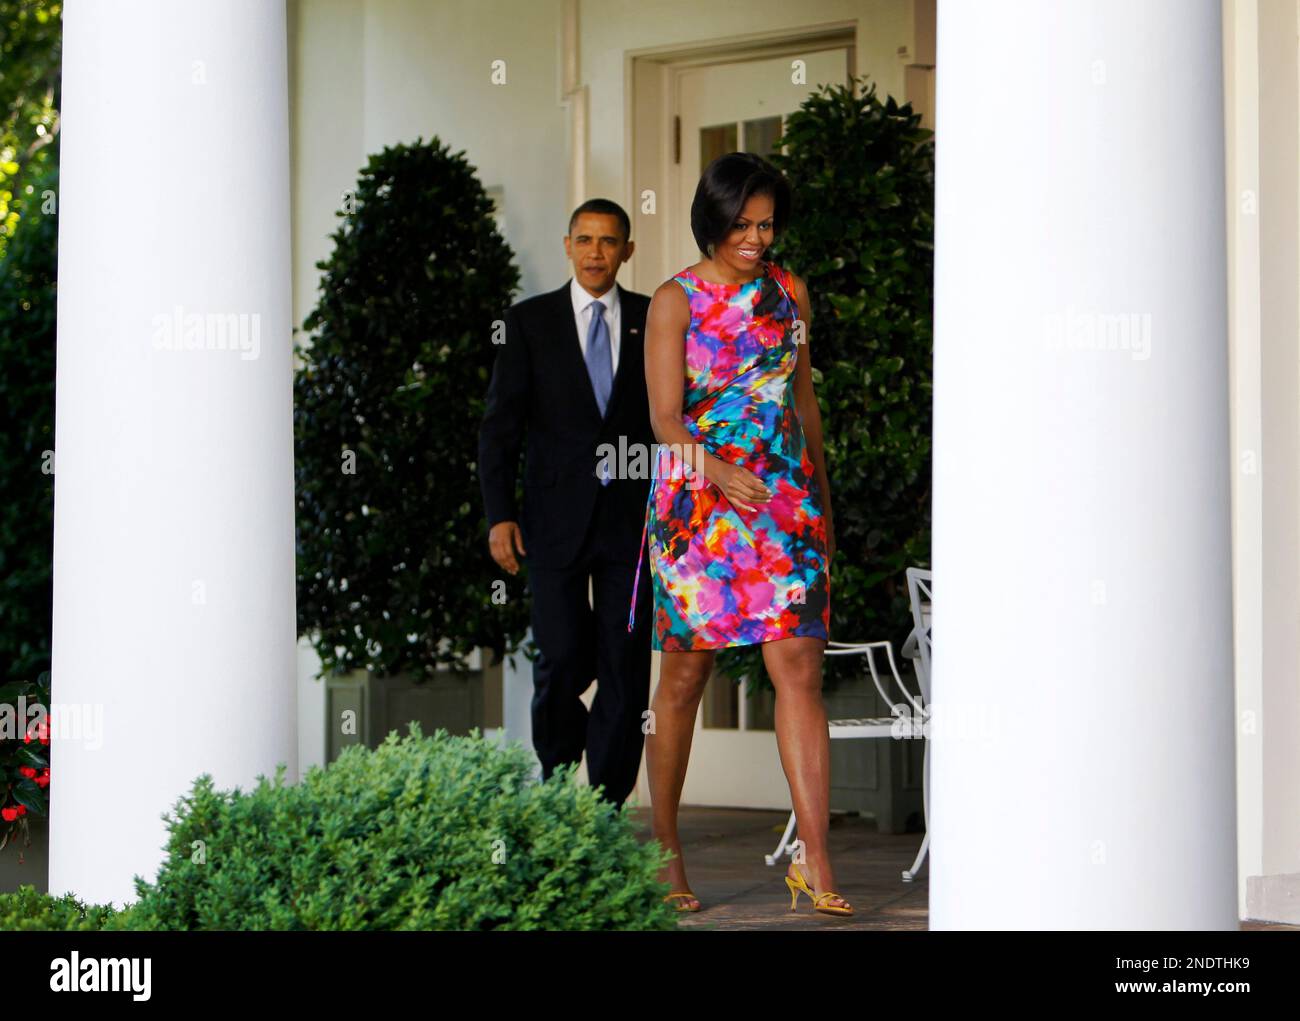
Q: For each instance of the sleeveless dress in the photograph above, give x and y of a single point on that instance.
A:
(722, 576)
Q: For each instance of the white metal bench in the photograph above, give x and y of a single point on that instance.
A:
(908, 716)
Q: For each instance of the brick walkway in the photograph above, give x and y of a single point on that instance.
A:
(724, 849)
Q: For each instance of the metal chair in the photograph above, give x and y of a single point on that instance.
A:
(920, 585)
(907, 716)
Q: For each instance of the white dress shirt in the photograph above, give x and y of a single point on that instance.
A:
(582, 316)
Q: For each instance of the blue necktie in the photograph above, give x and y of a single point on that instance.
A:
(600, 367)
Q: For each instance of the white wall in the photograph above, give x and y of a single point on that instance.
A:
(326, 118)
(366, 75)
(1279, 326)
(608, 31)
(1241, 86)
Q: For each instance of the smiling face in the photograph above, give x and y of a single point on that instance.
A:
(597, 248)
(751, 235)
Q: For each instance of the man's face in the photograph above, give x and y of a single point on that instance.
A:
(597, 248)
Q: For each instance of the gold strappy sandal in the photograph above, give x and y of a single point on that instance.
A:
(821, 901)
(684, 895)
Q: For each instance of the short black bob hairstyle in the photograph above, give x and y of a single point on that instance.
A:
(725, 187)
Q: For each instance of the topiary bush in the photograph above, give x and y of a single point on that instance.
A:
(861, 235)
(393, 571)
(29, 910)
(436, 832)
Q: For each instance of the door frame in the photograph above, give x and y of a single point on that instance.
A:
(649, 102)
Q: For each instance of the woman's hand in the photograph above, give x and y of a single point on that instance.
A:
(830, 541)
(739, 485)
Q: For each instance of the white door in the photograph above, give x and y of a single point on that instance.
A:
(735, 107)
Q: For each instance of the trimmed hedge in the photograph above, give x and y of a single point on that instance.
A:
(436, 832)
(28, 910)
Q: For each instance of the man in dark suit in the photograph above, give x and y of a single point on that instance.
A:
(571, 377)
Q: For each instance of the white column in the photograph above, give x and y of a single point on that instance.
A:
(1083, 761)
(174, 519)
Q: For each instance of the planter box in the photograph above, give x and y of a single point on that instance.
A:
(363, 709)
(27, 865)
(876, 777)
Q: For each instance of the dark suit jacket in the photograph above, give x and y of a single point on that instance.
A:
(540, 389)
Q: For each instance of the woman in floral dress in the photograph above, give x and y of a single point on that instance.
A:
(738, 524)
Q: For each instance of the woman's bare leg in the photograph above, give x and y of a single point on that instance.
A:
(802, 737)
(682, 677)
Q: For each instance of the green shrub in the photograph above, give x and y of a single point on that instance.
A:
(31, 911)
(434, 832)
(394, 574)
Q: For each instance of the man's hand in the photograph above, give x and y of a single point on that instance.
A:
(503, 540)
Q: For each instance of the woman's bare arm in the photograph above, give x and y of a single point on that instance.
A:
(667, 321)
(810, 416)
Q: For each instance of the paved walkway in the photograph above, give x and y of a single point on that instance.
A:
(724, 849)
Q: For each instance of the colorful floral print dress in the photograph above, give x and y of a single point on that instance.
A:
(723, 576)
